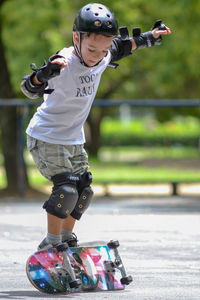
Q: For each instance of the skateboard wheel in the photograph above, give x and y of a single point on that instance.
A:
(62, 247)
(113, 244)
(126, 280)
(75, 284)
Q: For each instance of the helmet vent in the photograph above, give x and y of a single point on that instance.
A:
(96, 18)
(109, 24)
(97, 23)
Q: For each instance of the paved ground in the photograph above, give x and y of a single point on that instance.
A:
(159, 237)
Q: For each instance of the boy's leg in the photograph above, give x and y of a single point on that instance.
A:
(54, 227)
(71, 158)
(67, 232)
(59, 230)
(69, 223)
(54, 224)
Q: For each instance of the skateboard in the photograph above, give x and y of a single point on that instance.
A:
(79, 269)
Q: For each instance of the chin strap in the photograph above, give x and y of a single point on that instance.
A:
(78, 50)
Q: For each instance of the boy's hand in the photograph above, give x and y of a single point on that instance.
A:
(159, 29)
(149, 38)
(162, 31)
(50, 69)
(60, 61)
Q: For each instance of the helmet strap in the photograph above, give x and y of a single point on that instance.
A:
(78, 49)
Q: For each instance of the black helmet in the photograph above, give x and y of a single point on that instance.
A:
(96, 18)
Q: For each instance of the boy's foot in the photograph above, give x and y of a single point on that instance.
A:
(72, 241)
(44, 245)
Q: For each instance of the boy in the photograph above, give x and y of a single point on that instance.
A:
(69, 83)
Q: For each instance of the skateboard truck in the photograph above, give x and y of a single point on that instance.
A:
(74, 283)
(110, 266)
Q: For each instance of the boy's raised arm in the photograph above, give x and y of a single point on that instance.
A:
(149, 38)
(122, 46)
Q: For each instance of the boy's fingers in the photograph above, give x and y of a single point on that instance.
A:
(166, 31)
(162, 32)
(60, 61)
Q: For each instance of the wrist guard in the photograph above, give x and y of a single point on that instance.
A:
(146, 39)
(29, 89)
(48, 70)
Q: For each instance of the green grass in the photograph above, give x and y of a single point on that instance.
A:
(126, 173)
(179, 126)
(133, 153)
(108, 172)
(126, 165)
(148, 131)
(116, 172)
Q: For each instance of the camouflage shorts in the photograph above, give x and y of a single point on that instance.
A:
(52, 159)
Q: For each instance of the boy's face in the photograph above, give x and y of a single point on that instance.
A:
(94, 47)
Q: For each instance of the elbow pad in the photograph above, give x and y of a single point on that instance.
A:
(121, 46)
(30, 90)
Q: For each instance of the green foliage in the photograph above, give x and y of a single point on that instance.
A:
(33, 30)
(168, 71)
(147, 131)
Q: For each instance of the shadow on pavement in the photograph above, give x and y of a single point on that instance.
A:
(31, 294)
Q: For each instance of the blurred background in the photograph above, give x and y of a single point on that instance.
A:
(127, 144)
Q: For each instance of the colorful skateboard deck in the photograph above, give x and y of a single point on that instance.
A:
(94, 268)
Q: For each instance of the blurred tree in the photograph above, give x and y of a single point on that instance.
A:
(167, 71)
(9, 19)
(37, 33)
(38, 29)
(8, 122)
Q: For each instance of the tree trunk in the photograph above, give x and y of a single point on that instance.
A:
(94, 121)
(96, 115)
(8, 126)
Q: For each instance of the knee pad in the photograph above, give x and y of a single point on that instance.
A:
(64, 195)
(85, 195)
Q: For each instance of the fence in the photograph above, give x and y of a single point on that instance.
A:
(23, 104)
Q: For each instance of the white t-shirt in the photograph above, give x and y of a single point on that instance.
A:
(60, 118)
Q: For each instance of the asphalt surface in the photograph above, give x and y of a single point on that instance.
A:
(159, 238)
